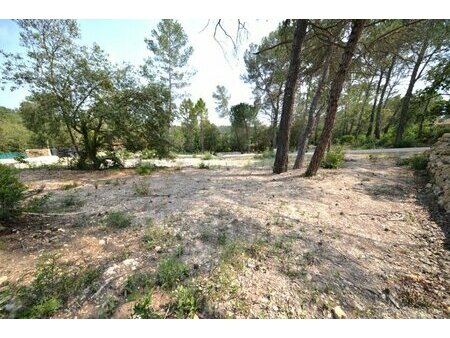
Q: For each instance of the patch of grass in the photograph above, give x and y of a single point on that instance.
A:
(143, 309)
(333, 158)
(71, 202)
(53, 285)
(118, 219)
(38, 204)
(232, 254)
(141, 188)
(171, 271)
(203, 165)
(157, 236)
(138, 283)
(108, 307)
(207, 157)
(187, 301)
(267, 154)
(416, 162)
(145, 169)
(222, 238)
(206, 235)
(70, 186)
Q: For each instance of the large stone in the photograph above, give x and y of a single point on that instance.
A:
(338, 313)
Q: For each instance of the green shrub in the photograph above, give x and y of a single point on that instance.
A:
(202, 165)
(187, 301)
(347, 139)
(416, 162)
(266, 154)
(71, 202)
(145, 168)
(118, 219)
(171, 270)
(333, 158)
(53, 285)
(207, 156)
(38, 203)
(137, 283)
(157, 236)
(141, 188)
(143, 309)
(20, 159)
(148, 154)
(11, 193)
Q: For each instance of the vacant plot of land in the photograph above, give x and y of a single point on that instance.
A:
(228, 242)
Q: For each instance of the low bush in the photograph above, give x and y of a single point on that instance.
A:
(416, 162)
(118, 219)
(187, 302)
(145, 168)
(171, 270)
(203, 165)
(143, 309)
(11, 193)
(334, 158)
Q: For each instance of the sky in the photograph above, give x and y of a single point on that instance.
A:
(123, 40)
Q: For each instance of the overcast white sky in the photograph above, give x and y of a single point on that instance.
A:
(123, 40)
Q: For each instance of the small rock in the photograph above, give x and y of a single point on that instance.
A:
(102, 242)
(158, 249)
(3, 280)
(338, 313)
(429, 185)
(275, 308)
(264, 300)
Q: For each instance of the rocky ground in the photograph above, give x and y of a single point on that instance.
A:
(364, 241)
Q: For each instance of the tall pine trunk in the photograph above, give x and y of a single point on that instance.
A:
(380, 104)
(363, 107)
(304, 137)
(335, 93)
(404, 112)
(374, 106)
(281, 157)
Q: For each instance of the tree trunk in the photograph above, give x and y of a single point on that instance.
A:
(391, 120)
(304, 137)
(380, 104)
(404, 112)
(202, 139)
(363, 107)
(374, 106)
(281, 157)
(335, 92)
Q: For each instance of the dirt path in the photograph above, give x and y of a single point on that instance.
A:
(367, 237)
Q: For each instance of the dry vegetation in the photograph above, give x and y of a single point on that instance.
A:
(234, 242)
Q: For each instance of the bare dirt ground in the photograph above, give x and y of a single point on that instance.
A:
(368, 238)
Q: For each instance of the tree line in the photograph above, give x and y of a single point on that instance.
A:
(321, 82)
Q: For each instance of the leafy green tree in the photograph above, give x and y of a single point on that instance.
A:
(189, 124)
(77, 81)
(242, 117)
(143, 119)
(170, 56)
(202, 113)
(13, 134)
(222, 99)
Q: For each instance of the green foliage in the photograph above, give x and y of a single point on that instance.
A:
(137, 283)
(145, 168)
(108, 307)
(118, 219)
(13, 134)
(53, 285)
(38, 204)
(222, 238)
(334, 158)
(157, 236)
(347, 140)
(267, 154)
(187, 302)
(11, 193)
(203, 165)
(416, 162)
(207, 157)
(141, 188)
(71, 202)
(171, 271)
(143, 309)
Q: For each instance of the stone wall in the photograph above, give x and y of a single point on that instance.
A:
(439, 168)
